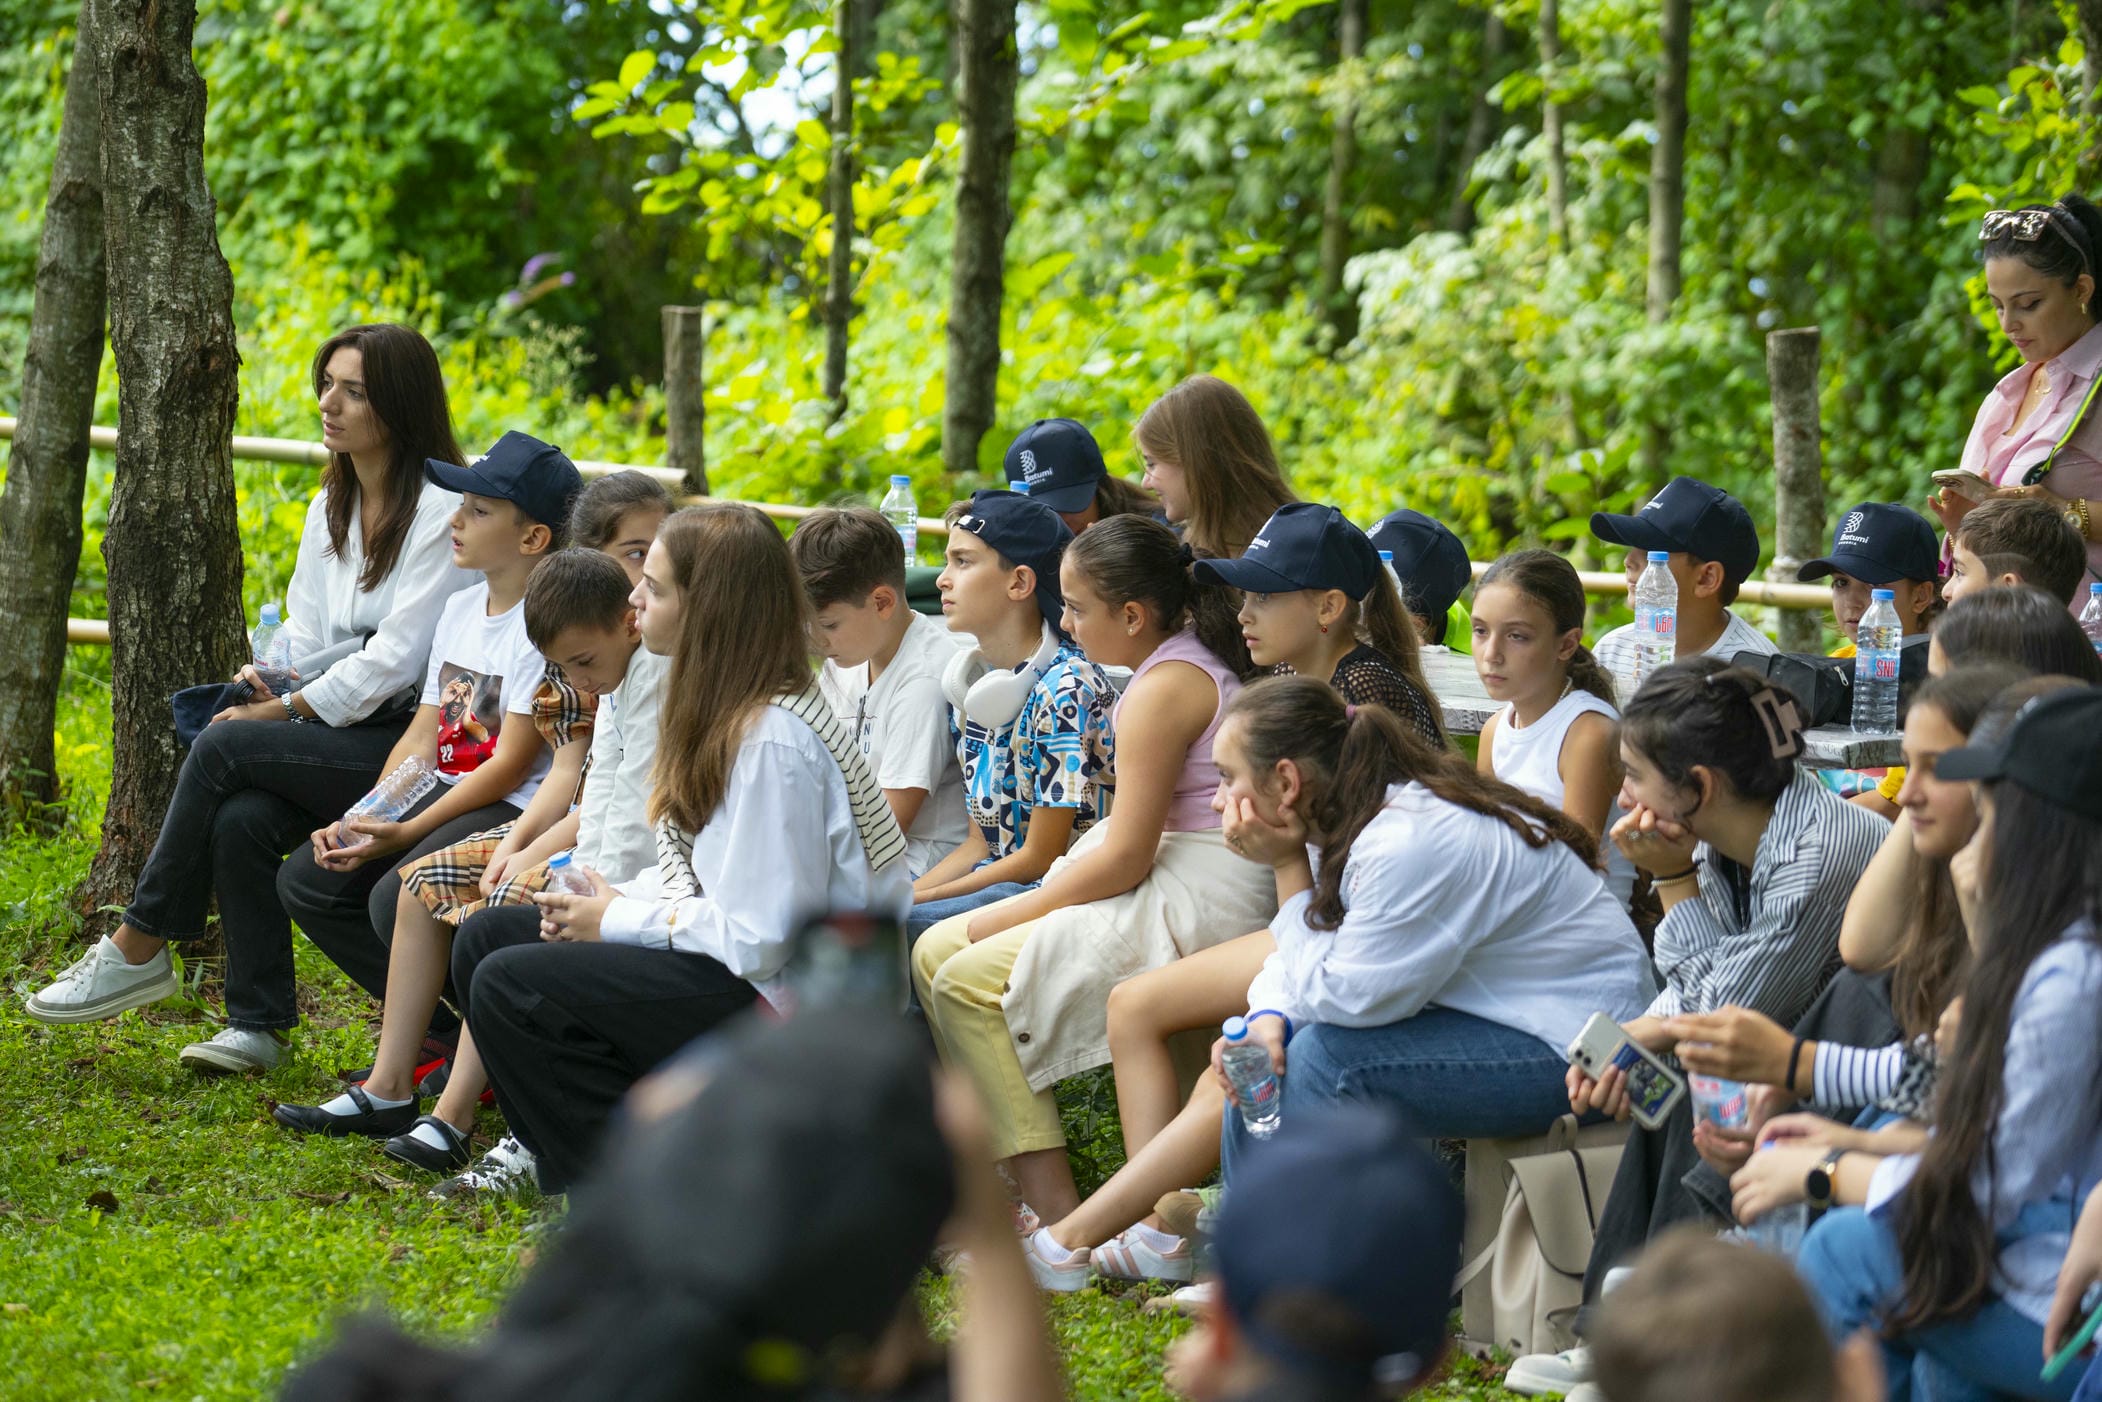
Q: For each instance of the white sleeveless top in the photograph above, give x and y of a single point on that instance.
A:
(1531, 759)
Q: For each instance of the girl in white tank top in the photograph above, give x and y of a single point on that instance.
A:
(1557, 736)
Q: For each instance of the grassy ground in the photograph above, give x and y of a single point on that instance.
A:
(161, 1237)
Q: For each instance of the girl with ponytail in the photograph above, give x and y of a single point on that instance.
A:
(1015, 993)
(1472, 945)
(1558, 735)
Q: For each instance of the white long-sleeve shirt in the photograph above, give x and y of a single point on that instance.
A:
(779, 850)
(2047, 1138)
(324, 606)
(613, 821)
(1446, 906)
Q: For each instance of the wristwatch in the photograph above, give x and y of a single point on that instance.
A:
(2077, 517)
(1820, 1182)
(291, 711)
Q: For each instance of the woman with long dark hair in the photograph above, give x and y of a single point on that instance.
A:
(373, 571)
(1954, 1257)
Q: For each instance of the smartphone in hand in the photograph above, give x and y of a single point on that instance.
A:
(1654, 1089)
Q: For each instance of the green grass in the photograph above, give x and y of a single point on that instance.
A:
(161, 1237)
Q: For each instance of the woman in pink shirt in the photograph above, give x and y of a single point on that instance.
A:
(2036, 434)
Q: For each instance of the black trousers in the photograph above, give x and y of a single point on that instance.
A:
(250, 791)
(350, 915)
(565, 1028)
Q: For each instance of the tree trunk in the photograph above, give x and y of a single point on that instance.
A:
(1340, 309)
(40, 527)
(2090, 16)
(1667, 199)
(1799, 483)
(985, 91)
(1481, 127)
(173, 551)
(839, 283)
(685, 403)
(1551, 124)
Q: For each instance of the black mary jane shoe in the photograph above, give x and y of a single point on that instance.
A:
(372, 1121)
(409, 1149)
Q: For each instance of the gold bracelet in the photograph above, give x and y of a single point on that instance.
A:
(2080, 505)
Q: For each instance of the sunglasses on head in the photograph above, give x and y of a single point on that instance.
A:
(2028, 225)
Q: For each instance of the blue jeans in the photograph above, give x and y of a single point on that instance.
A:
(926, 915)
(1451, 1075)
(1850, 1262)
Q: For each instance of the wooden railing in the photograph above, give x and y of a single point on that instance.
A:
(93, 632)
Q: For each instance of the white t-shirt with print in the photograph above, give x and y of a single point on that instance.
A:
(483, 671)
(903, 725)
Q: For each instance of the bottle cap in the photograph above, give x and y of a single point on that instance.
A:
(1883, 593)
(1386, 557)
(558, 861)
(1659, 556)
(1235, 1028)
(270, 614)
(899, 479)
(1020, 489)
(2095, 588)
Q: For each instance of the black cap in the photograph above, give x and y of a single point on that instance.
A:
(1880, 543)
(1345, 1210)
(538, 478)
(1059, 462)
(1303, 546)
(1688, 517)
(2053, 749)
(1025, 531)
(1429, 559)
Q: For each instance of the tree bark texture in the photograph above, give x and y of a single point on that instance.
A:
(1667, 200)
(986, 78)
(172, 545)
(1340, 309)
(40, 530)
(839, 282)
(685, 410)
(2090, 18)
(1481, 127)
(1799, 483)
(1551, 125)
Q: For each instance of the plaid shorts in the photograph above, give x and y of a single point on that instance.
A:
(448, 881)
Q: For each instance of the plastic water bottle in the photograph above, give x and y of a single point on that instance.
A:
(1876, 666)
(903, 512)
(1386, 562)
(2091, 616)
(1781, 1229)
(1724, 1104)
(1656, 603)
(564, 875)
(271, 651)
(392, 797)
(1255, 1085)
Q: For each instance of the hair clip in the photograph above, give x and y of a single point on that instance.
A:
(1783, 722)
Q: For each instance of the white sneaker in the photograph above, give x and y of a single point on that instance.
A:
(1192, 1299)
(1587, 1392)
(1060, 1277)
(100, 985)
(1545, 1374)
(237, 1049)
(505, 1171)
(1128, 1256)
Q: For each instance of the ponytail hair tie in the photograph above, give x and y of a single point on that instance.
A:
(1350, 711)
(1184, 553)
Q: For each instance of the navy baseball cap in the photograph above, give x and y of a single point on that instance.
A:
(538, 478)
(1337, 1244)
(1880, 543)
(1688, 517)
(1430, 560)
(1058, 463)
(2052, 750)
(1025, 531)
(1304, 545)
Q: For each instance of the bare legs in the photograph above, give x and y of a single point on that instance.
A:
(1044, 1178)
(1178, 1156)
(416, 968)
(1199, 991)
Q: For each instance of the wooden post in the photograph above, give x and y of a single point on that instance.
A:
(685, 337)
(1799, 484)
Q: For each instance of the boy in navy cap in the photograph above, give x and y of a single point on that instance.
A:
(1878, 545)
(1713, 547)
(1032, 713)
(1434, 571)
(1337, 1247)
(1058, 462)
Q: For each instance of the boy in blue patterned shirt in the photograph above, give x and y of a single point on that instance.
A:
(1032, 714)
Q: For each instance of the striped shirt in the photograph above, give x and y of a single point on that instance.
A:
(1768, 939)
